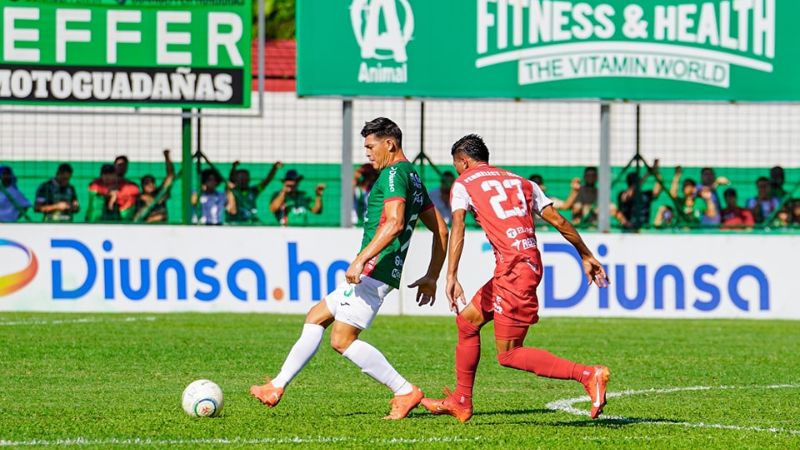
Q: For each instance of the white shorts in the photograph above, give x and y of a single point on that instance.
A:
(357, 304)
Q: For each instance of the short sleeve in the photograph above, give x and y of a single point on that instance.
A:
(459, 197)
(540, 201)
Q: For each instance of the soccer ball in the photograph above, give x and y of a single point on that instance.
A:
(202, 398)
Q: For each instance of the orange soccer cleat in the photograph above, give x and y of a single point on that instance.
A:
(267, 393)
(596, 388)
(449, 405)
(403, 404)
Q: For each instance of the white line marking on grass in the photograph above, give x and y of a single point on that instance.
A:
(230, 441)
(83, 320)
(566, 405)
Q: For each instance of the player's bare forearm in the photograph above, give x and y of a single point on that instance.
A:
(567, 230)
(434, 222)
(387, 232)
(456, 246)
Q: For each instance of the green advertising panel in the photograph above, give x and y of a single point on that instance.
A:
(733, 50)
(148, 53)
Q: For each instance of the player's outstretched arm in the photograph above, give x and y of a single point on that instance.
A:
(426, 286)
(591, 266)
(456, 247)
(388, 231)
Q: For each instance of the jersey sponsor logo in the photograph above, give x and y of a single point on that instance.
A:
(396, 274)
(383, 29)
(418, 198)
(512, 233)
(524, 244)
(415, 181)
(392, 175)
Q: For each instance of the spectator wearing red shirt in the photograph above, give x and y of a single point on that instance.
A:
(128, 190)
(734, 216)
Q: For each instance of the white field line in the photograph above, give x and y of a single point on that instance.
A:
(566, 405)
(223, 441)
(70, 321)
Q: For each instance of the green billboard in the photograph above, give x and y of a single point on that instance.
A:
(732, 50)
(147, 53)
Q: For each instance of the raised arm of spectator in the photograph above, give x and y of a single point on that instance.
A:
(270, 176)
(659, 180)
(711, 208)
(170, 170)
(316, 208)
(575, 186)
(676, 180)
(230, 199)
(232, 173)
(279, 200)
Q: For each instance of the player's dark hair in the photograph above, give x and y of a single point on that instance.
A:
(730, 191)
(706, 169)
(148, 179)
(64, 168)
(590, 169)
(689, 182)
(121, 158)
(473, 146)
(382, 127)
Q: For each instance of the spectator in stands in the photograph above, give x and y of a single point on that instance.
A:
(292, 206)
(103, 194)
(56, 198)
(210, 203)
(13, 203)
(765, 202)
(441, 196)
(710, 181)
(634, 204)
(697, 204)
(734, 216)
(247, 195)
(776, 180)
(665, 217)
(128, 190)
(363, 180)
(582, 200)
(794, 207)
(151, 205)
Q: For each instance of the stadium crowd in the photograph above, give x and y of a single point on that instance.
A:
(710, 201)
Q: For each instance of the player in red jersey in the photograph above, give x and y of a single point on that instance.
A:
(503, 204)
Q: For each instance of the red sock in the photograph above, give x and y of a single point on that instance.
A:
(544, 364)
(468, 354)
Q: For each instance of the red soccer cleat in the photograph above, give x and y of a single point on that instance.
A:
(449, 405)
(403, 404)
(267, 393)
(596, 388)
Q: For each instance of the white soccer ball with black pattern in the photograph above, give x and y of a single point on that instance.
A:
(202, 398)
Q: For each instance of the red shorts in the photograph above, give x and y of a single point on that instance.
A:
(510, 299)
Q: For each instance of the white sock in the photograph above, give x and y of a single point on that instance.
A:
(300, 354)
(373, 363)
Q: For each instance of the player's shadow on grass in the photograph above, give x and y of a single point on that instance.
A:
(612, 422)
(514, 412)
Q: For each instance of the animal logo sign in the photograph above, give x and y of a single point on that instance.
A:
(383, 29)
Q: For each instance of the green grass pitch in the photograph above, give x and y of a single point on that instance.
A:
(114, 381)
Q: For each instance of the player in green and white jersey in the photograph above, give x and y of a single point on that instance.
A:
(397, 200)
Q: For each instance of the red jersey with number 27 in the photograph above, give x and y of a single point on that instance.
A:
(503, 204)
